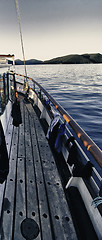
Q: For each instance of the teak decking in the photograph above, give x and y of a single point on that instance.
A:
(33, 190)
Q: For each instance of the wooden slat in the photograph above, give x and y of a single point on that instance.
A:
(8, 139)
(40, 188)
(21, 147)
(34, 188)
(20, 205)
(59, 211)
(8, 136)
(20, 195)
(31, 191)
(8, 204)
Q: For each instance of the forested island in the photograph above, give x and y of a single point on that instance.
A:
(68, 59)
(76, 59)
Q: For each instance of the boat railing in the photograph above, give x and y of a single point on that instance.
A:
(7, 90)
(12, 82)
(87, 146)
(8, 80)
(90, 146)
(3, 93)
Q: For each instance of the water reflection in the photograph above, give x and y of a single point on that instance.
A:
(78, 88)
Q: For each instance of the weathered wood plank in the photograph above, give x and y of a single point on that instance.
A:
(21, 147)
(34, 188)
(20, 192)
(8, 139)
(20, 203)
(8, 135)
(31, 189)
(58, 206)
(40, 185)
(59, 211)
(8, 203)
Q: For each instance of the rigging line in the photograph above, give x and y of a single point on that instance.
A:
(22, 45)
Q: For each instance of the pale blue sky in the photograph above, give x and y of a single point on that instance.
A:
(51, 28)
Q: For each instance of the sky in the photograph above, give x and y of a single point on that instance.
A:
(51, 28)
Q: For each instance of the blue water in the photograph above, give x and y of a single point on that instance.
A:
(78, 88)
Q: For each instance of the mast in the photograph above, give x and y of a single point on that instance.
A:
(22, 45)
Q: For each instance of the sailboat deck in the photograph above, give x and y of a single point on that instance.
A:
(34, 204)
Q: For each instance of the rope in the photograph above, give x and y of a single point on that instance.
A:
(19, 22)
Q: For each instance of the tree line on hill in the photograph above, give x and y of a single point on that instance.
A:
(68, 59)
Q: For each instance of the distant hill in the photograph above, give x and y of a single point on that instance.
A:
(27, 62)
(76, 59)
(68, 59)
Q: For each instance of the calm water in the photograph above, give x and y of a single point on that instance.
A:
(78, 88)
